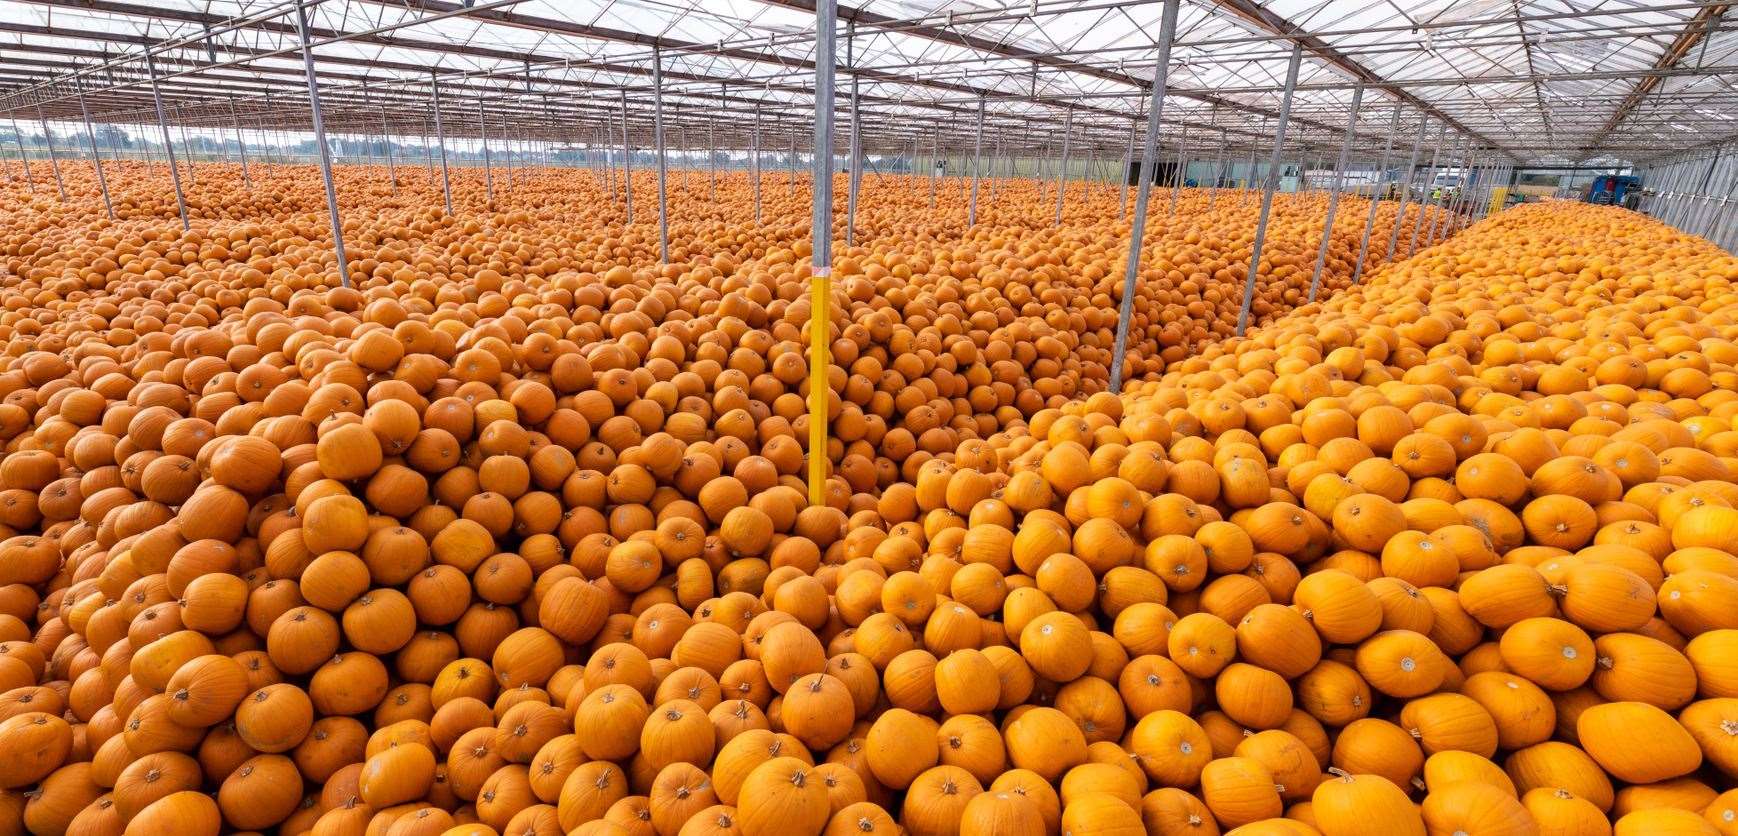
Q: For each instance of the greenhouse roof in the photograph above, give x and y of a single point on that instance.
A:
(1541, 82)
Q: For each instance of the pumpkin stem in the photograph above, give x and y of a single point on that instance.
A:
(1558, 589)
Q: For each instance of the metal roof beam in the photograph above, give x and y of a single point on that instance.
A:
(1694, 32)
(1256, 14)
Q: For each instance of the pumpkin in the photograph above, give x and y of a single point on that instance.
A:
(1378, 747)
(1523, 713)
(1045, 741)
(1000, 812)
(1364, 804)
(1635, 667)
(1279, 639)
(1293, 766)
(1548, 652)
(188, 812)
(1401, 663)
(1169, 811)
(1559, 811)
(1101, 813)
(1452, 766)
(936, 801)
(262, 792)
(1239, 791)
(37, 743)
(863, 817)
(1057, 646)
(1473, 807)
(782, 796)
(1713, 723)
(1662, 820)
(1444, 722)
(1607, 732)
(1253, 696)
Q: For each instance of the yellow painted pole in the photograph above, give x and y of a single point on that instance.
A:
(819, 286)
(821, 234)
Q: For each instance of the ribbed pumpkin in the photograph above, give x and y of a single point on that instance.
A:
(1560, 812)
(1372, 746)
(1475, 808)
(782, 795)
(1523, 713)
(1401, 663)
(1360, 805)
(1239, 791)
(1000, 812)
(1642, 669)
(1044, 741)
(1549, 652)
(186, 812)
(1100, 814)
(1452, 766)
(1444, 722)
(1713, 723)
(1554, 764)
(1608, 732)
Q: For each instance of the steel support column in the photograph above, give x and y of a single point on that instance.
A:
(1406, 190)
(977, 162)
(855, 176)
(754, 161)
(1376, 194)
(240, 144)
(23, 156)
(1424, 198)
(1128, 164)
(1137, 228)
(441, 140)
(627, 161)
(96, 155)
(1218, 170)
(168, 147)
(320, 142)
(386, 139)
(1181, 172)
(53, 159)
(821, 261)
(1334, 191)
(1062, 170)
(1269, 186)
(488, 161)
(658, 142)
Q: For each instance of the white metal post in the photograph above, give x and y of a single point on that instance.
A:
(488, 161)
(320, 142)
(977, 162)
(658, 141)
(627, 160)
(441, 140)
(1137, 229)
(168, 147)
(96, 155)
(53, 159)
(1269, 186)
(386, 137)
(1334, 194)
(1376, 194)
(240, 145)
(1406, 190)
(1062, 170)
(855, 178)
(821, 260)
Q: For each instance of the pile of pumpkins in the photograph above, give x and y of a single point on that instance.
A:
(531, 555)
